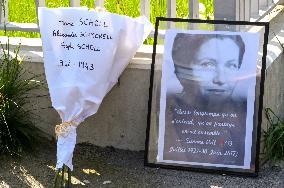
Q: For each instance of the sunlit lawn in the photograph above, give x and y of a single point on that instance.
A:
(25, 10)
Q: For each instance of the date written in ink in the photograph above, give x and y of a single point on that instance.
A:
(85, 65)
(81, 64)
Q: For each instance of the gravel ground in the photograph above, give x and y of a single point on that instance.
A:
(109, 167)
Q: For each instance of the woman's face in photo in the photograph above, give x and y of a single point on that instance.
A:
(215, 68)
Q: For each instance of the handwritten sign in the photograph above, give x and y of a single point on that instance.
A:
(81, 42)
(84, 54)
(204, 137)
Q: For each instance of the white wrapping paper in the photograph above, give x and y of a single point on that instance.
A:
(84, 54)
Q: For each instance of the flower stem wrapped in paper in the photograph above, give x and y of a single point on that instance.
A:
(84, 54)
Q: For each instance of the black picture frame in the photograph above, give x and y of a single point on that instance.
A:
(257, 118)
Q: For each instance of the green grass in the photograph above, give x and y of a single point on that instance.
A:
(25, 11)
(17, 91)
(274, 137)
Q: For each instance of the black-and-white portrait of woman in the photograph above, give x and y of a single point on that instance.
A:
(207, 98)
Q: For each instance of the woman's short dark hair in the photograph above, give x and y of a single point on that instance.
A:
(186, 46)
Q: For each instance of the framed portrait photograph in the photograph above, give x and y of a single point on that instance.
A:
(206, 95)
